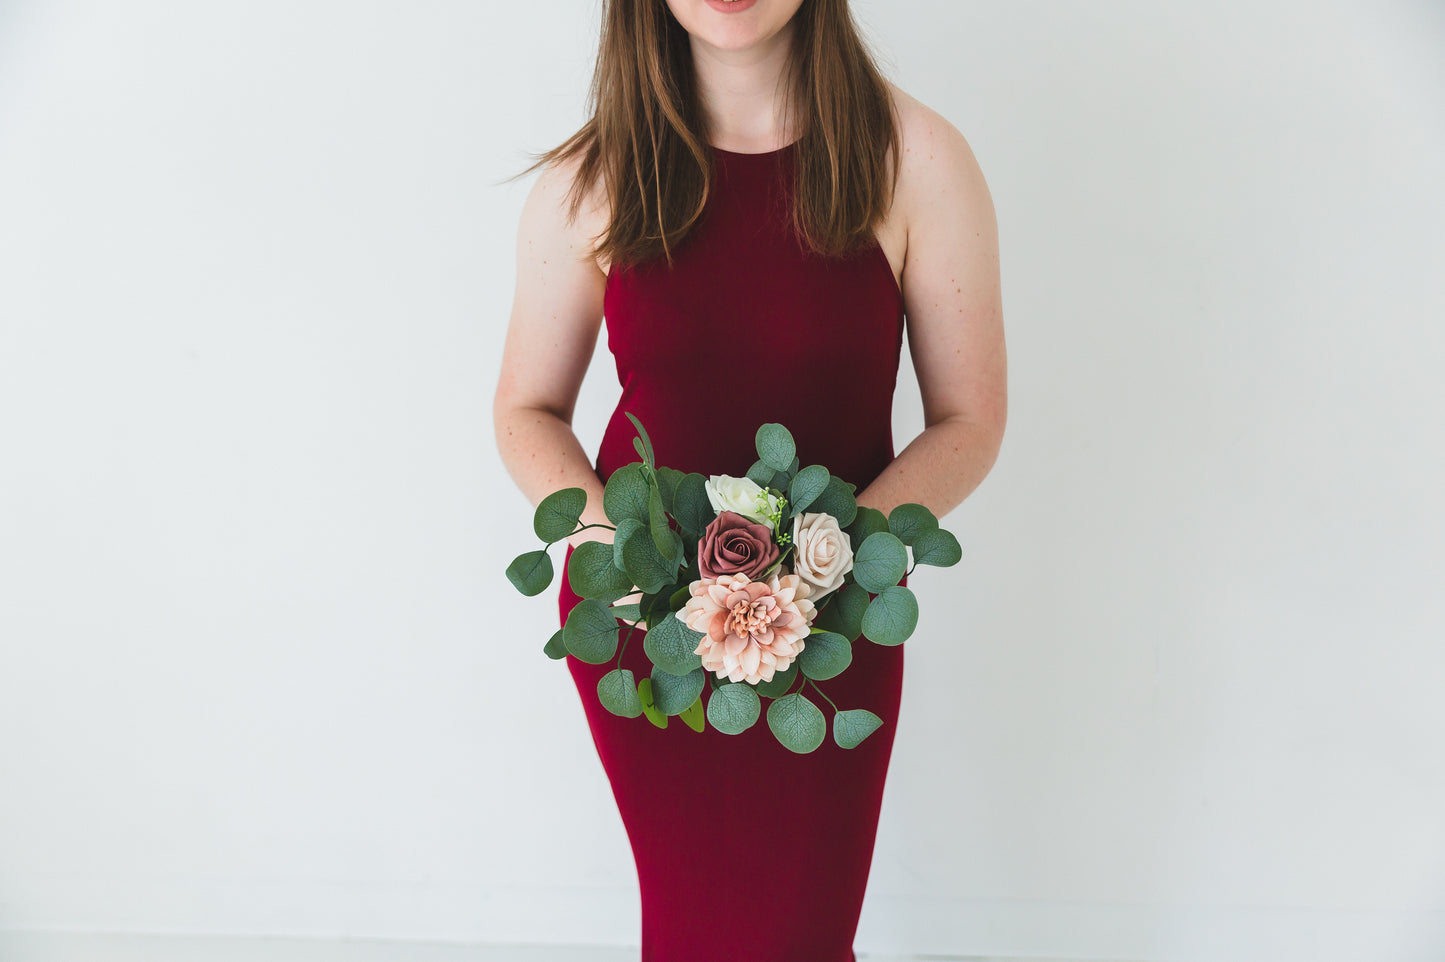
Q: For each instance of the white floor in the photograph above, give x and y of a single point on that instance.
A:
(18, 946)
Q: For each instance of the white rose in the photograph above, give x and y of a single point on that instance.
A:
(822, 552)
(741, 495)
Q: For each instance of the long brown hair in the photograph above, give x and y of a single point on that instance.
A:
(647, 136)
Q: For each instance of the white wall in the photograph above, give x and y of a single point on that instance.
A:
(260, 671)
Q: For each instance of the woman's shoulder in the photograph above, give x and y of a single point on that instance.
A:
(935, 158)
(559, 179)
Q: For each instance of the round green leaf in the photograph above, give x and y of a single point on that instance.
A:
(892, 616)
(775, 446)
(865, 523)
(824, 655)
(555, 648)
(670, 644)
(692, 509)
(807, 485)
(908, 521)
(618, 693)
(880, 561)
(733, 708)
(673, 693)
(797, 722)
(852, 726)
(761, 472)
(531, 572)
(559, 513)
(644, 695)
(590, 632)
(837, 500)
(937, 547)
(591, 573)
(625, 494)
(647, 569)
(667, 481)
(782, 681)
(844, 613)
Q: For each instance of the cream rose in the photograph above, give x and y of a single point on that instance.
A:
(822, 552)
(741, 496)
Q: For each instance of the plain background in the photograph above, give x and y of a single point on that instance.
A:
(260, 669)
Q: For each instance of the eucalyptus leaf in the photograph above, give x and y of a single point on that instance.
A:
(837, 500)
(762, 473)
(667, 481)
(628, 612)
(892, 616)
(592, 574)
(559, 513)
(865, 523)
(648, 570)
(798, 723)
(531, 572)
(775, 446)
(625, 494)
(852, 726)
(781, 682)
(590, 632)
(673, 693)
(627, 528)
(807, 485)
(844, 612)
(880, 561)
(657, 522)
(825, 655)
(733, 708)
(649, 455)
(671, 645)
(649, 708)
(908, 521)
(692, 509)
(555, 648)
(617, 690)
(937, 547)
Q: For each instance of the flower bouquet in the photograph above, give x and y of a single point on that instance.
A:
(746, 583)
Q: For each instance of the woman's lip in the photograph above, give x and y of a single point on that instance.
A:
(737, 7)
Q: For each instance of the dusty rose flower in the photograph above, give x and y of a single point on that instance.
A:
(733, 544)
(822, 552)
(751, 629)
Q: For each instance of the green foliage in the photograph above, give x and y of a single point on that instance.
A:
(693, 717)
(559, 513)
(824, 655)
(667, 481)
(625, 494)
(674, 693)
(692, 509)
(762, 473)
(908, 521)
(555, 648)
(591, 573)
(775, 446)
(852, 726)
(531, 572)
(797, 722)
(837, 500)
(590, 632)
(864, 524)
(807, 485)
(618, 693)
(648, 570)
(649, 708)
(880, 561)
(892, 616)
(670, 644)
(937, 547)
(733, 708)
(648, 456)
(782, 681)
(844, 612)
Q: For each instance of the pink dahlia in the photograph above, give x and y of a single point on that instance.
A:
(751, 629)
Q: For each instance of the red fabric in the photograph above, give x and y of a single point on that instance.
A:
(745, 851)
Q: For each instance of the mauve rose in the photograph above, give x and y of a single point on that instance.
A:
(733, 544)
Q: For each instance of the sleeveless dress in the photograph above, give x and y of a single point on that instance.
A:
(746, 851)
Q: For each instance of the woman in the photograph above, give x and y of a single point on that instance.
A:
(754, 208)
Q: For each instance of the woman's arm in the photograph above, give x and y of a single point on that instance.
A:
(953, 304)
(556, 316)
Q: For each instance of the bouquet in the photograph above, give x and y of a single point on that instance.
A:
(746, 583)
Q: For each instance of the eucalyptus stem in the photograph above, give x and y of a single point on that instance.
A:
(824, 694)
(625, 639)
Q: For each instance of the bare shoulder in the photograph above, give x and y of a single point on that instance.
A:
(549, 208)
(938, 166)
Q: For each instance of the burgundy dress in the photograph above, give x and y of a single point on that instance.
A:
(746, 851)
